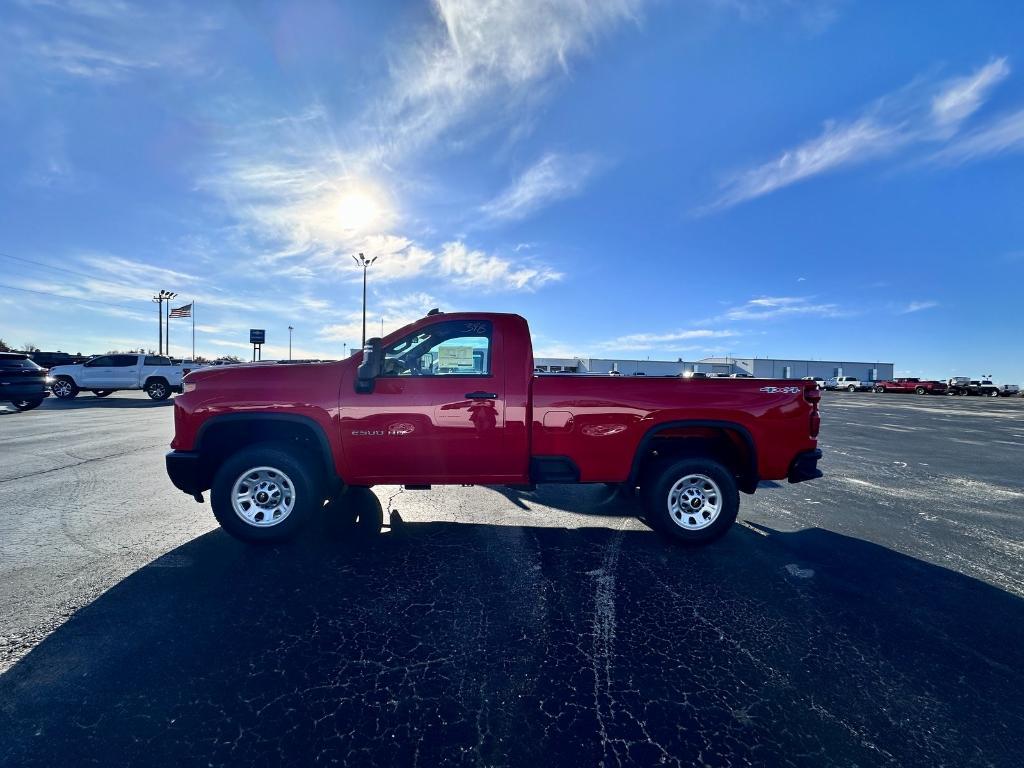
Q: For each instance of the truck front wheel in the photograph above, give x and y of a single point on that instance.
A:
(692, 501)
(158, 389)
(263, 494)
(64, 388)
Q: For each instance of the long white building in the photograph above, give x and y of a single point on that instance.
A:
(760, 367)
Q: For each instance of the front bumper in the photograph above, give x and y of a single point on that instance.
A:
(805, 466)
(12, 392)
(186, 472)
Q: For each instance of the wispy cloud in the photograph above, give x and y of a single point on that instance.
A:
(469, 268)
(840, 144)
(920, 113)
(918, 306)
(962, 97)
(1003, 134)
(776, 307)
(636, 341)
(108, 42)
(553, 177)
(486, 54)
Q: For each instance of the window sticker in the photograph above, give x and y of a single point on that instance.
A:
(455, 357)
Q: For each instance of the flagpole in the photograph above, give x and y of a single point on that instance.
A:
(193, 330)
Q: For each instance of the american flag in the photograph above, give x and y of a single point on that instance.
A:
(185, 311)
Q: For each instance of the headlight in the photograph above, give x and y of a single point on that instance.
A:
(49, 379)
(188, 386)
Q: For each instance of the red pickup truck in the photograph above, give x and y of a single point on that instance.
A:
(911, 385)
(453, 399)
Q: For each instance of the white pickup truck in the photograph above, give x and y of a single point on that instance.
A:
(155, 374)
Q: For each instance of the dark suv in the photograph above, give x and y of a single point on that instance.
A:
(22, 382)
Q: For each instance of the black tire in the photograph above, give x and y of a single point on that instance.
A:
(921, 391)
(158, 389)
(851, 388)
(102, 392)
(64, 388)
(357, 507)
(300, 477)
(27, 405)
(880, 390)
(657, 492)
(994, 393)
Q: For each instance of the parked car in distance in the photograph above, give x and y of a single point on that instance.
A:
(452, 399)
(22, 382)
(908, 384)
(958, 385)
(155, 374)
(1009, 390)
(849, 383)
(816, 379)
(983, 388)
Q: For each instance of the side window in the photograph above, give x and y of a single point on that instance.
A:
(124, 361)
(156, 360)
(449, 348)
(100, 362)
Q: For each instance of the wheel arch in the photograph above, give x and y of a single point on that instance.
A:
(220, 436)
(727, 437)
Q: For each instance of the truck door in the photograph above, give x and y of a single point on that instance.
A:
(97, 373)
(125, 371)
(437, 412)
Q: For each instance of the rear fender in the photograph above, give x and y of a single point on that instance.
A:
(703, 431)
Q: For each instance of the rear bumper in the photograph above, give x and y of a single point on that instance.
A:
(805, 466)
(185, 471)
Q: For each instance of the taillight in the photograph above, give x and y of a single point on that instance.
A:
(813, 396)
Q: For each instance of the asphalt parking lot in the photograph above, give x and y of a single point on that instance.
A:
(873, 617)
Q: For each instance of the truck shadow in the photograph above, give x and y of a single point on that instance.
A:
(487, 644)
(88, 400)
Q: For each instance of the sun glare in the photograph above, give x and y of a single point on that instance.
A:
(358, 211)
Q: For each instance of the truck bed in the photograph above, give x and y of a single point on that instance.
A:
(600, 421)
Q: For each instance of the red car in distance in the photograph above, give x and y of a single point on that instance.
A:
(917, 386)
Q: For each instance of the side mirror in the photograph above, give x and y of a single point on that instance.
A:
(369, 369)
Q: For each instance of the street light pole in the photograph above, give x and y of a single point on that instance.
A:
(159, 300)
(168, 295)
(290, 329)
(365, 263)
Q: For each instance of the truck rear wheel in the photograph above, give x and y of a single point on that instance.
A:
(692, 501)
(920, 390)
(263, 494)
(851, 388)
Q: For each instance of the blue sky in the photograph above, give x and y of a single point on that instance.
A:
(667, 179)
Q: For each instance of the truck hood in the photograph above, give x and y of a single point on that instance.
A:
(245, 373)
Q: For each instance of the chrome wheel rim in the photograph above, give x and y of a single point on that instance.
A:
(156, 390)
(263, 497)
(62, 389)
(694, 502)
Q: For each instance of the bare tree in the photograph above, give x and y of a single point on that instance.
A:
(4, 347)
(30, 348)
